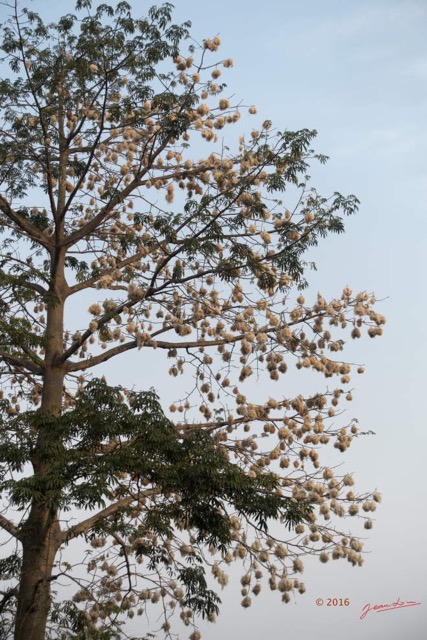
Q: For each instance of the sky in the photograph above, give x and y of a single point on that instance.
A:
(357, 72)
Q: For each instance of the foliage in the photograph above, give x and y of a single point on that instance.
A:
(102, 200)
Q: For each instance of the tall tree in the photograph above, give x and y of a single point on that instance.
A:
(102, 202)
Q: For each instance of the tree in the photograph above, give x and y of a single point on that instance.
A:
(98, 113)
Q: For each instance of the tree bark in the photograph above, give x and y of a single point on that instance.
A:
(41, 534)
(40, 542)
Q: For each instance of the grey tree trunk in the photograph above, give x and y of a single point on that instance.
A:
(41, 534)
(40, 543)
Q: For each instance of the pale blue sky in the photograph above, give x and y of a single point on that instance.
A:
(356, 70)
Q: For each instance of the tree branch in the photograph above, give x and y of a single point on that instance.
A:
(23, 224)
(15, 280)
(162, 344)
(93, 224)
(154, 344)
(8, 526)
(102, 357)
(80, 286)
(86, 525)
(17, 362)
(7, 596)
(41, 116)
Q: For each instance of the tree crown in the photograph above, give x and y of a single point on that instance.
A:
(103, 203)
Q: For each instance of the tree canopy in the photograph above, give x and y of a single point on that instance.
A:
(126, 223)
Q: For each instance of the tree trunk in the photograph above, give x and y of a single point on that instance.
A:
(40, 537)
(40, 542)
(41, 532)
